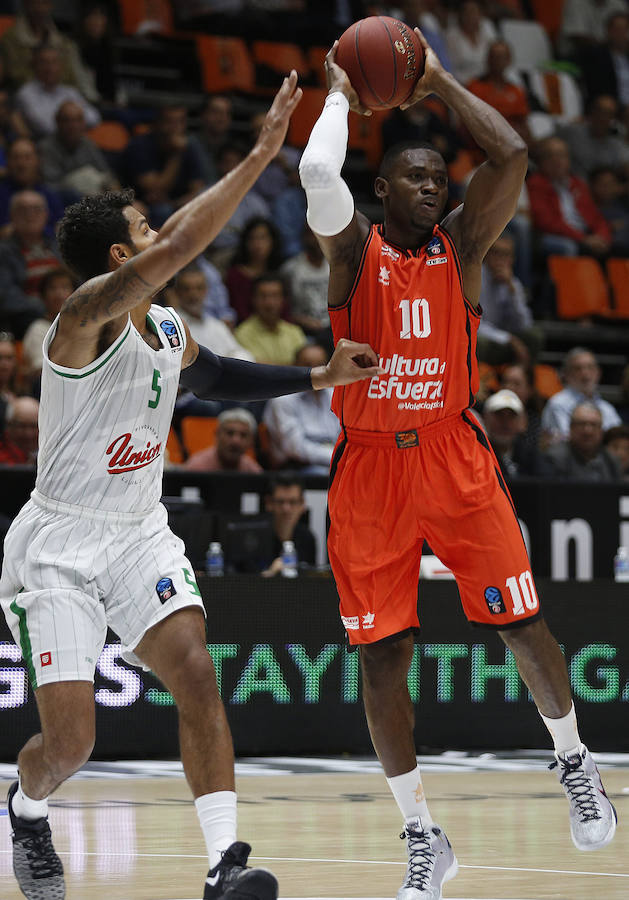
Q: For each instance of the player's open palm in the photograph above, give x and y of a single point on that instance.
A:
(352, 362)
(275, 125)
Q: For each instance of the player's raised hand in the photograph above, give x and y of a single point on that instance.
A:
(350, 362)
(273, 131)
(338, 80)
(432, 77)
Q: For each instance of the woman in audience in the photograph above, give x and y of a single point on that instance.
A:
(258, 251)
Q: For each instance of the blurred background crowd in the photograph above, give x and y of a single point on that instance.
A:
(166, 96)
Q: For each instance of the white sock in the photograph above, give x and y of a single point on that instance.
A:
(25, 808)
(564, 732)
(217, 815)
(409, 794)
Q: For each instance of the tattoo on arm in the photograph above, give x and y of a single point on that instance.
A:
(108, 296)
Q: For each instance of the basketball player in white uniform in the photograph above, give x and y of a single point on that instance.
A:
(92, 546)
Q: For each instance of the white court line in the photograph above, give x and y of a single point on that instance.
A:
(361, 862)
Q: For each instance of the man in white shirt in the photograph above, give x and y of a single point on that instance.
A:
(303, 431)
(190, 290)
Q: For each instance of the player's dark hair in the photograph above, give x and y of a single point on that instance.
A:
(393, 154)
(89, 228)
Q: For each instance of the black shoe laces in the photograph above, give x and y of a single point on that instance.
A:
(43, 862)
(421, 858)
(580, 789)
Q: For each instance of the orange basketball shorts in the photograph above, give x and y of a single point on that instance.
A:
(389, 493)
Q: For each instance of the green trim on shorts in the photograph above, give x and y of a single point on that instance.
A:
(100, 365)
(25, 641)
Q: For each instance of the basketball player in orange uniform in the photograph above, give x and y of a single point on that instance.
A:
(412, 462)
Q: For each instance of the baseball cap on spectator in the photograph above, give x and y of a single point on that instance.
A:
(504, 399)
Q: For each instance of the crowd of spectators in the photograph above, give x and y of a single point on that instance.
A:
(260, 291)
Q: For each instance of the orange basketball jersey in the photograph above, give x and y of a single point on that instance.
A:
(411, 309)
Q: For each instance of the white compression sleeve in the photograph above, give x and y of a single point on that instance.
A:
(330, 203)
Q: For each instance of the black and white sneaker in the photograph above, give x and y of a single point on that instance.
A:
(238, 882)
(592, 816)
(431, 862)
(37, 867)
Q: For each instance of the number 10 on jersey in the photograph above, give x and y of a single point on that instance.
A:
(415, 319)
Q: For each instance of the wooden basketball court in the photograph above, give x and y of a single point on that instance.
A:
(328, 829)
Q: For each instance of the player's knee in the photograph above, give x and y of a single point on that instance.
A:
(67, 753)
(195, 678)
(385, 665)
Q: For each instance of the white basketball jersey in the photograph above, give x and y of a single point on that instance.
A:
(103, 428)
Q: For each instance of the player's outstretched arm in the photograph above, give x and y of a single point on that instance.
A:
(493, 192)
(213, 377)
(187, 232)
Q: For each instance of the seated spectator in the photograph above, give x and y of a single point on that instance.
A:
(605, 67)
(505, 423)
(506, 332)
(250, 207)
(302, 428)
(25, 257)
(421, 123)
(164, 165)
(281, 172)
(18, 442)
(581, 376)
(8, 373)
(562, 207)
(24, 174)
(12, 126)
(468, 39)
(215, 132)
(595, 142)
(616, 442)
(623, 404)
(286, 505)
(234, 437)
(582, 456)
(34, 27)
(610, 196)
(289, 216)
(259, 250)
(583, 24)
(266, 334)
(424, 13)
(496, 89)
(307, 276)
(72, 162)
(55, 287)
(189, 295)
(521, 380)
(39, 99)
(95, 41)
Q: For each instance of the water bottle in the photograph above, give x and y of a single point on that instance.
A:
(214, 560)
(289, 560)
(621, 564)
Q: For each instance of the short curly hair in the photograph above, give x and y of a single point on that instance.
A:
(89, 228)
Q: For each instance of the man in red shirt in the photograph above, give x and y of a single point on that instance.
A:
(18, 444)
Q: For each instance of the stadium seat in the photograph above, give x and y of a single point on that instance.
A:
(557, 92)
(174, 448)
(146, 16)
(547, 380)
(365, 133)
(530, 45)
(580, 286)
(6, 22)
(225, 64)
(112, 137)
(305, 115)
(549, 14)
(618, 274)
(316, 59)
(198, 432)
(274, 61)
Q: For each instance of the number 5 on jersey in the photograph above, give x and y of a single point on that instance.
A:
(157, 388)
(415, 319)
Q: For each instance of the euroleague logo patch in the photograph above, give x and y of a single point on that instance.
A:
(435, 247)
(170, 330)
(495, 603)
(165, 589)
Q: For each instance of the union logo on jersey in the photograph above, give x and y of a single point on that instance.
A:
(125, 458)
(170, 330)
(435, 247)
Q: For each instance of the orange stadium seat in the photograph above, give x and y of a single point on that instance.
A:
(581, 288)
(225, 64)
(109, 136)
(305, 115)
(281, 58)
(549, 14)
(547, 380)
(198, 432)
(618, 274)
(146, 16)
(316, 58)
(174, 448)
(6, 22)
(365, 133)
